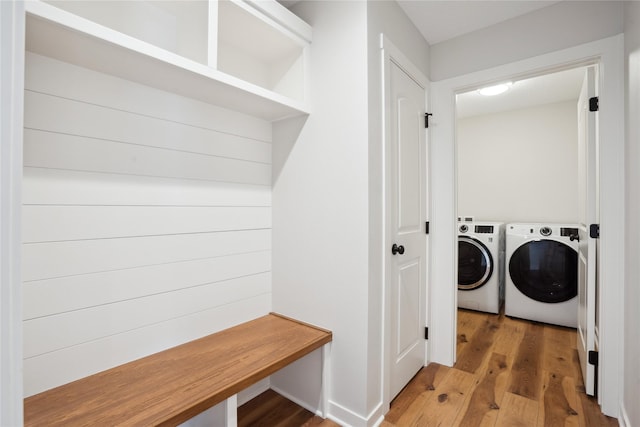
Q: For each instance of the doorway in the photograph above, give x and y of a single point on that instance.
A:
(609, 53)
(519, 161)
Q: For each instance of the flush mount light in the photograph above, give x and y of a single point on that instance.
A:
(495, 90)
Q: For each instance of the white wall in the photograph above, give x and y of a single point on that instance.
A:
(562, 25)
(12, 24)
(320, 202)
(520, 165)
(630, 412)
(146, 221)
(327, 209)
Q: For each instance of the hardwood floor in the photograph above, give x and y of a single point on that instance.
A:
(272, 410)
(509, 373)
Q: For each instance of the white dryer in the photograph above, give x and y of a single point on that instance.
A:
(480, 265)
(542, 273)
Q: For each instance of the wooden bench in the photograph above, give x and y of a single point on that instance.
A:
(172, 386)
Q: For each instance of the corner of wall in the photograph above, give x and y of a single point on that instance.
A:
(348, 418)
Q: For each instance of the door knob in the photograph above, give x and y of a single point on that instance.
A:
(395, 249)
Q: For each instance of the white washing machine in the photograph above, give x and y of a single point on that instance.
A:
(481, 265)
(542, 273)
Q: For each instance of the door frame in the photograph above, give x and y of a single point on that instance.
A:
(389, 52)
(609, 54)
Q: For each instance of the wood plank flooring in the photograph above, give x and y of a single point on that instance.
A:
(509, 373)
(272, 410)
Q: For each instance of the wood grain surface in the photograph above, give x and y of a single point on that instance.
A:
(170, 387)
(509, 373)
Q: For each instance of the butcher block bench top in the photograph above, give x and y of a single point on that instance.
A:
(174, 385)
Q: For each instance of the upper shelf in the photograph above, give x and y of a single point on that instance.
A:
(231, 53)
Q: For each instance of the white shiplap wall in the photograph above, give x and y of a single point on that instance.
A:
(147, 221)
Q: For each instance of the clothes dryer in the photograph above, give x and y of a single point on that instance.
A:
(481, 265)
(542, 273)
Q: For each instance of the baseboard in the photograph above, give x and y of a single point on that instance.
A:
(337, 413)
(347, 418)
(376, 417)
(623, 419)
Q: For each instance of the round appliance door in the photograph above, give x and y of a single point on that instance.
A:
(545, 270)
(475, 264)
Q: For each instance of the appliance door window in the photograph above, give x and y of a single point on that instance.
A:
(475, 264)
(545, 270)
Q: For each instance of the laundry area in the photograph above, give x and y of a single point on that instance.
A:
(518, 197)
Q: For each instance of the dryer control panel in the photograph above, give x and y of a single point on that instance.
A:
(484, 229)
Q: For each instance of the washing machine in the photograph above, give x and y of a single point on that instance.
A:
(542, 273)
(481, 265)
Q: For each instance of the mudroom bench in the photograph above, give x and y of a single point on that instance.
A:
(174, 385)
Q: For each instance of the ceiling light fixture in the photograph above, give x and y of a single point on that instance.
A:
(495, 90)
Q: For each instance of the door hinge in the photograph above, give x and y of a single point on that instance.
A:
(426, 332)
(426, 227)
(426, 119)
(594, 104)
(594, 231)
(593, 358)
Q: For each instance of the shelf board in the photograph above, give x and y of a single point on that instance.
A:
(61, 35)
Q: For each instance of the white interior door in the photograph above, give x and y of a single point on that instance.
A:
(588, 214)
(406, 194)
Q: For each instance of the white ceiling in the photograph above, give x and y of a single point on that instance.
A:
(547, 89)
(440, 20)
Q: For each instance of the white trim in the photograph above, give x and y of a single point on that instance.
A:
(623, 419)
(347, 418)
(212, 34)
(376, 416)
(609, 53)
(326, 380)
(344, 417)
(231, 411)
(12, 24)
(390, 53)
(286, 20)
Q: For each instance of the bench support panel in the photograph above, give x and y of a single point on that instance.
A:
(231, 411)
